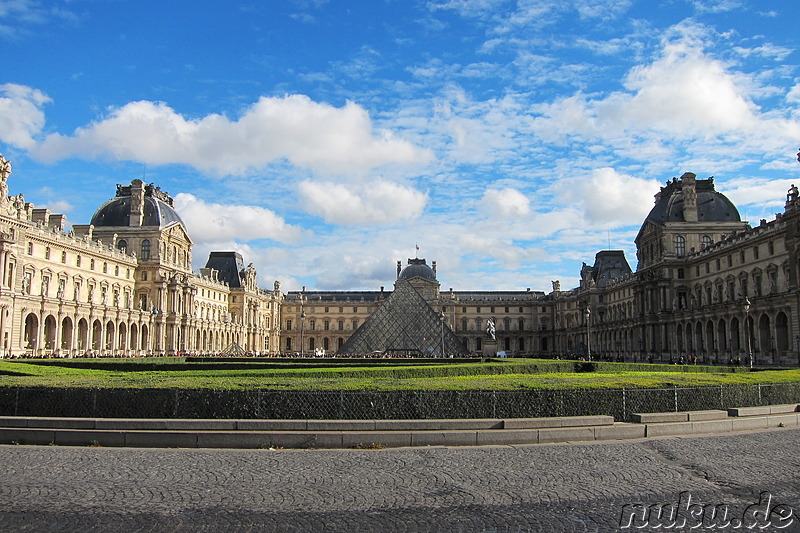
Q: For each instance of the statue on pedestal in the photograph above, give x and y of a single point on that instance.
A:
(490, 329)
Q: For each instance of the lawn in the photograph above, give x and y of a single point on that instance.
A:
(277, 374)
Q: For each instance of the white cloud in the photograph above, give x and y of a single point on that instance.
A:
(683, 96)
(716, 6)
(211, 222)
(380, 202)
(793, 96)
(506, 202)
(310, 135)
(21, 115)
(609, 198)
(748, 191)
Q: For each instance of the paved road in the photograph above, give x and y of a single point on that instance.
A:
(564, 487)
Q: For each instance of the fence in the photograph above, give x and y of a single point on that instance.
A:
(375, 405)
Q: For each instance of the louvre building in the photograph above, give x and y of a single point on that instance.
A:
(706, 284)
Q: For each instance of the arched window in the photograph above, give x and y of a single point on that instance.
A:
(705, 241)
(145, 249)
(122, 245)
(680, 245)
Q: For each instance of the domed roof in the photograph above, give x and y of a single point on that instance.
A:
(712, 206)
(417, 268)
(158, 210)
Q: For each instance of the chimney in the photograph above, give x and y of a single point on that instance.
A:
(433, 265)
(689, 197)
(137, 203)
(399, 268)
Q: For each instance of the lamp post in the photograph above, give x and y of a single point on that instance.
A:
(588, 315)
(746, 307)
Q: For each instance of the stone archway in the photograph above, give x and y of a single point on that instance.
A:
(50, 327)
(66, 334)
(83, 335)
(30, 335)
(782, 333)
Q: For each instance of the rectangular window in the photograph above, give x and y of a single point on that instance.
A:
(288, 325)
(341, 325)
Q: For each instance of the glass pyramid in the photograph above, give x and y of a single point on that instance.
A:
(404, 324)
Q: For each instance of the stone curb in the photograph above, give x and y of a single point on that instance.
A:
(251, 434)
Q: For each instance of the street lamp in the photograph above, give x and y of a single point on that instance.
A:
(588, 314)
(302, 330)
(746, 306)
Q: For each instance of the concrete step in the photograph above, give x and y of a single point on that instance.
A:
(170, 424)
(679, 416)
(172, 433)
(764, 410)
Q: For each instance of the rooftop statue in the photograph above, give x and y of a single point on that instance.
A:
(5, 172)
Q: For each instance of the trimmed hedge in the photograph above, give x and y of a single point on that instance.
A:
(374, 405)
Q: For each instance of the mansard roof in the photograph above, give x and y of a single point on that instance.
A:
(158, 209)
(712, 206)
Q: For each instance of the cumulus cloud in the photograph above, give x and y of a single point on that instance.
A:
(381, 202)
(506, 202)
(212, 222)
(615, 200)
(21, 115)
(683, 95)
(311, 135)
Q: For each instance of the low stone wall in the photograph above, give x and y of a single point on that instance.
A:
(380, 405)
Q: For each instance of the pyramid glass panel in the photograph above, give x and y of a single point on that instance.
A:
(404, 324)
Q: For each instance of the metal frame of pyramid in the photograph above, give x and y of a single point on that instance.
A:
(404, 324)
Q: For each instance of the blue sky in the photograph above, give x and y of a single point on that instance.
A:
(324, 140)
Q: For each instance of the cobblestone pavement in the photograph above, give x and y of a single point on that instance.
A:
(565, 487)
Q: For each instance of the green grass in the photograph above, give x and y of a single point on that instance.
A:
(515, 374)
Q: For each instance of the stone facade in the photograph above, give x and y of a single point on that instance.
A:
(122, 285)
(324, 320)
(706, 285)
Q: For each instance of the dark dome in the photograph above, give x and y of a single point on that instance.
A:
(417, 268)
(712, 206)
(117, 212)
